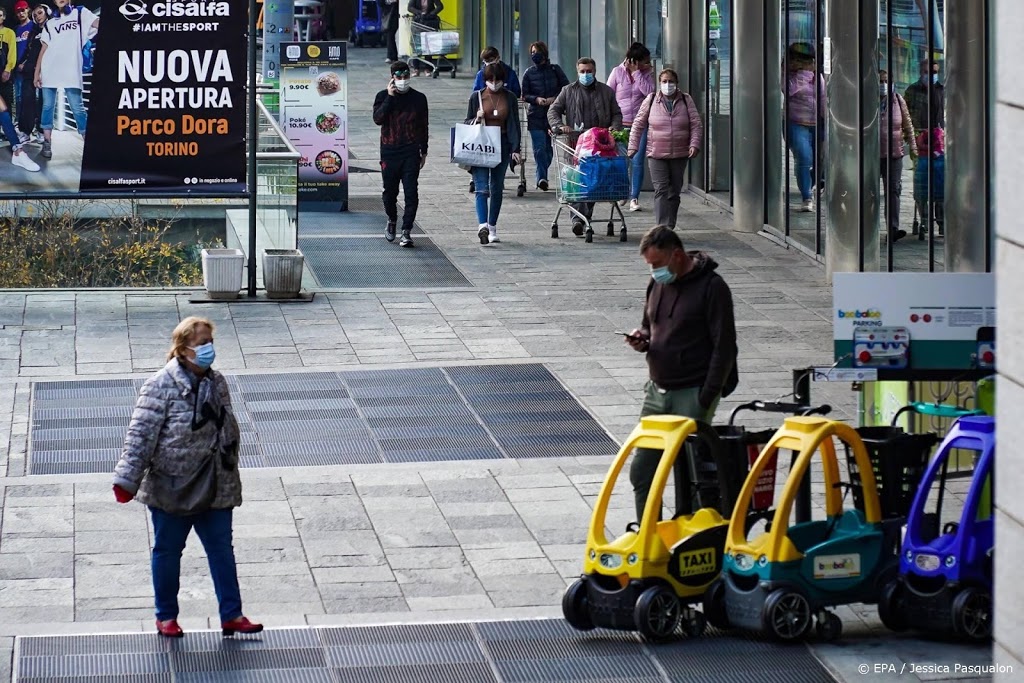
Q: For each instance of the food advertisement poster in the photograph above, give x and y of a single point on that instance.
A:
(314, 116)
(150, 98)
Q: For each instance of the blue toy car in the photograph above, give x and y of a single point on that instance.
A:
(945, 582)
(369, 29)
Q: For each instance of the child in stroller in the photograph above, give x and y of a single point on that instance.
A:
(931, 146)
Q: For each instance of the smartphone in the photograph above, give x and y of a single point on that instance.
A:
(628, 335)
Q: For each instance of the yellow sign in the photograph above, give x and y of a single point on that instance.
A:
(313, 51)
(697, 562)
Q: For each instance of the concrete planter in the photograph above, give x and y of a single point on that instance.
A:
(282, 273)
(222, 272)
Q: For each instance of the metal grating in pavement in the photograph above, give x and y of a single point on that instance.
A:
(364, 218)
(487, 652)
(336, 418)
(356, 262)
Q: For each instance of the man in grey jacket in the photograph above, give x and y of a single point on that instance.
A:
(584, 104)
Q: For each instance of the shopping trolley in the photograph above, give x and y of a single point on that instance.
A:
(524, 138)
(593, 179)
(439, 40)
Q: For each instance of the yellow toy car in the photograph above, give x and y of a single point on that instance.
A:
(649, 578)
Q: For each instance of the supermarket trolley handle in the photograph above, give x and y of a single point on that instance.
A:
(935, 410)
(779, 407)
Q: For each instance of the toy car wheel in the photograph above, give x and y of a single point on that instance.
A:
(786, 614)
(657, 613)
(972, 614)
(890, 607)
(695, 624)
(714, 605)
(829, 627)
(575, 608)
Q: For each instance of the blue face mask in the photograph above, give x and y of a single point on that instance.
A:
(587, 79)
(935, 78)
(537, 58)
(204, 355)
(663, 276)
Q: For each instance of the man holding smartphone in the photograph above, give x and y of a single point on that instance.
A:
(689, 335)
(401, 113)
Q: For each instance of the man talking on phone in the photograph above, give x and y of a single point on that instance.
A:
(689, 335)
(401, 113)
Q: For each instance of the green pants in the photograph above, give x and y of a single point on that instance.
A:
(657, 401)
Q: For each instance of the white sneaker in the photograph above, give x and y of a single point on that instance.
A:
(492, 236)
(634, 205)
(22, 159)
(23, 137)
(807, 206)
(38, 138)
(484, 233)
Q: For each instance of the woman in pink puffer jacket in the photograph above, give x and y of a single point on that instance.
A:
(669, 119)
(633, 81)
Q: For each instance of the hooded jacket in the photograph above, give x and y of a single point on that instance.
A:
(692, 332)
(169, 435)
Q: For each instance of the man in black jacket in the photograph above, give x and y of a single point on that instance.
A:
(689, 335)
(401, 113)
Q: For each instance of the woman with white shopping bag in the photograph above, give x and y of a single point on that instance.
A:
(494, 106)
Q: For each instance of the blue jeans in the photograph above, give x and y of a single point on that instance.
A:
(214, 530)
(17, 78)
(542, 153)
(801, 143)
(74, 96)
(637, 167)
(7, 126)
(490, 183)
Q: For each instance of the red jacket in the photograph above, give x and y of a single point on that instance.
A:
(670, 134)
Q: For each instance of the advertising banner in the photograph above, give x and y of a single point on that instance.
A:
(932, 321)
(314, 116)
(158, 86)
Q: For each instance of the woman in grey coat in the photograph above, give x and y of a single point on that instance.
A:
(183, 429)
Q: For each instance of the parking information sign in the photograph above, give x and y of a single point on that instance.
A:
(314, 116)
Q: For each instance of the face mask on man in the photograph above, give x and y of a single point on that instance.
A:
(587, 78)
(402, 84)
(495, 87)
(883, 89)
(663, 276)
(668, 89)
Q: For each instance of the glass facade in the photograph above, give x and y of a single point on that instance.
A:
(901, 197)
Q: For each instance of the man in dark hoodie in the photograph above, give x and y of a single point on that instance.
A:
(689, 335)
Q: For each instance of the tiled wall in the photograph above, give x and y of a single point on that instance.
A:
(1008, 26)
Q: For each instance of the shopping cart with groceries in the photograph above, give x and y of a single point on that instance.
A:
(590, 170)
(435, 44)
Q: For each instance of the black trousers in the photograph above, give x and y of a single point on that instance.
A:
(28, 112)
(391, 30)
(891, 170)
(401, 169)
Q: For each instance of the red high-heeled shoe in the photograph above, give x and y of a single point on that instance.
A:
(240, 625)
(169, 629)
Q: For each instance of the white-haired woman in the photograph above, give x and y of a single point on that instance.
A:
(180, 459)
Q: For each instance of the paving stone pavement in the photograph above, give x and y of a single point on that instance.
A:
(418, 541)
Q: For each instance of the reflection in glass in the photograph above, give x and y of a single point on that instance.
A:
(804, 111)
(719, 92)
(911, 46)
